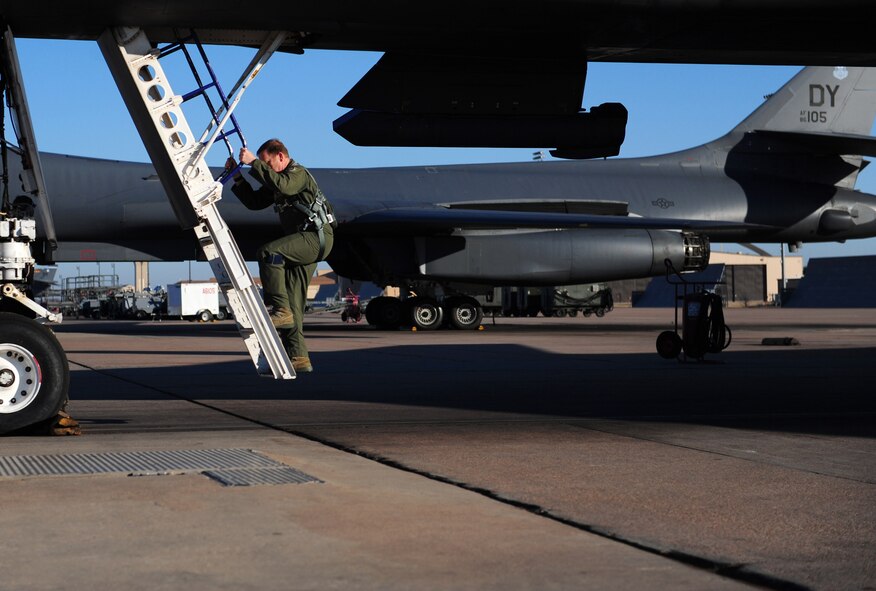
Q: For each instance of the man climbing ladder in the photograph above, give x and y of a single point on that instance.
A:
(180, 163)
(287, 264)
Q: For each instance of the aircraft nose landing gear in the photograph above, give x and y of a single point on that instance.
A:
(34, 377)
(7, 378)
(19, 379)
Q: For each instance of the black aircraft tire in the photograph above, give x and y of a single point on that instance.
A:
(464, 313)
(425, 313)
(372, 310)
(30, 351)
(390, 314)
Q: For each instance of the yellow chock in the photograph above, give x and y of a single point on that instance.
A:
(413, 329)
(481, 327)
(64, 424)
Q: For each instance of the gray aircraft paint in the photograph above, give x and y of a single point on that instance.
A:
(777, 176)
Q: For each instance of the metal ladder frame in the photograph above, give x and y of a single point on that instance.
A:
(193, 193)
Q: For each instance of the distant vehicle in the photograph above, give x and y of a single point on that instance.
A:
(569, 300)
(352, 311)
(586, 299)
(195, 301)
(136, 306)
(89, 308)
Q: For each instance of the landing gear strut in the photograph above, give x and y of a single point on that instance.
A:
(34, 375)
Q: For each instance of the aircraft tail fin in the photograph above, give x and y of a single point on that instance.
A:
(834, 100)
(816, 127)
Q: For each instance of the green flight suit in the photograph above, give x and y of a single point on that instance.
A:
(287, 264)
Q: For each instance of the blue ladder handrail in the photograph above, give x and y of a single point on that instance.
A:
(201, 90)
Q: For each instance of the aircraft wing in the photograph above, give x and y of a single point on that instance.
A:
(418, 220)
(694, 31)
(509, 74)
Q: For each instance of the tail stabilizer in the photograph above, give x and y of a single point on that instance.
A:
(835, 100)
(816, 128)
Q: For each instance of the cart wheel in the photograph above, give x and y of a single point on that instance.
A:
(668, 344)
(600, 312)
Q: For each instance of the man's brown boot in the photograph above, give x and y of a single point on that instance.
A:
(301, 365)
(281, 317)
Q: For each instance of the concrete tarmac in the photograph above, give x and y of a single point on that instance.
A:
(537, 453)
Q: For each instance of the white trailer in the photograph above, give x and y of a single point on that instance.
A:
(194, 300)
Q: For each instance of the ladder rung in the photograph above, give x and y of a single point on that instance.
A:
(197, 92)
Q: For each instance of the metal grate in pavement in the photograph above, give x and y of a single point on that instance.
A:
(136, 462)
(253, 476)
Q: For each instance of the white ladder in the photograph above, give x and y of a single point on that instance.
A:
(179, 162)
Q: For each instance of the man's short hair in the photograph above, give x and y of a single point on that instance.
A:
(273, 147)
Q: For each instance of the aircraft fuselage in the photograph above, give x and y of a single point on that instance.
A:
(108, 210)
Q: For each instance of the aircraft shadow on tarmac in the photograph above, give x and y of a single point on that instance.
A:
(809, 391)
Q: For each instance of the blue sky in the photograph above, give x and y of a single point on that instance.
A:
(77, 110)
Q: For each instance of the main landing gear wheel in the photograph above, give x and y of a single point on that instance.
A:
(425, 312)
(384, 312)
(34, 375)
(464, 313)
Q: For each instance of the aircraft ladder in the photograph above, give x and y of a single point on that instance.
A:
(180, 164)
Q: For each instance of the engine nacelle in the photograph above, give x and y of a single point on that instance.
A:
(558, 257)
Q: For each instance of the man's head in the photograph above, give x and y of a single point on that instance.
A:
(274, 154)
